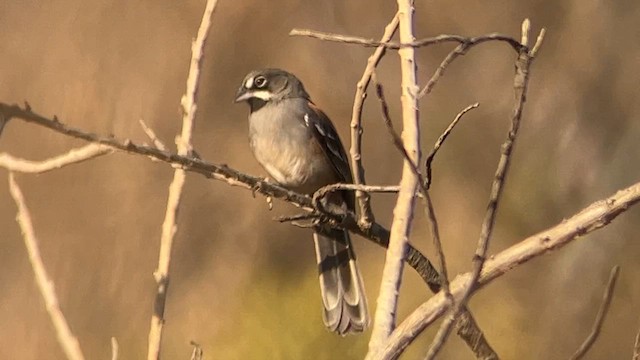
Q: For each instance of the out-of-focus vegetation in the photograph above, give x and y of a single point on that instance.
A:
(243, 286)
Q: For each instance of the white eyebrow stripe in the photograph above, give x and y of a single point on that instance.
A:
(249, 83)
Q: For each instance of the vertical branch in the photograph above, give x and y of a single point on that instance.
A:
(468, 329)
(66, 339)
(636, 347)
(384, 321)
(366, 214)
(183, 142)
(115, 349)
(520, 83)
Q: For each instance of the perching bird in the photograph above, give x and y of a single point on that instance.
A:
(299, 147)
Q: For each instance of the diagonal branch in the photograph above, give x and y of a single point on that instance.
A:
(366, 214)
(441, 140)
(169, 226)
(375, 233)
(602, 314)
(595, 216)
(66, 339)
(73, 156)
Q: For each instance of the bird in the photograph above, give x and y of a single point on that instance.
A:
(299, 147)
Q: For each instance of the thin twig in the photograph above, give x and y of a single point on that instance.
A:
(385, 315)
(323, 191)
(469, 330)
(298, 217)
(152, 136)
(73, 156)
(3, 121)
(602, 314)
(430, 212)
(364, 200)
(197, 353)
(356, 40)
(66, 339)
(521, 79)
(441, 141)
(454, 54)
(115, 349)
(169, 226)
(595, 216)
(636, 347)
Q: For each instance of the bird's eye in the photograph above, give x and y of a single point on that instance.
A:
(260, 82)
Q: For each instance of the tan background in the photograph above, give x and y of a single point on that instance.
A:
(244, 286)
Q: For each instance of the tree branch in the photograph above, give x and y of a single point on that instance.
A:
(636, 347)
(375, 233)
(521, 80)
(364, 200)
(115, 348)
(602, 314)
(355, 40)
(441, 140)
(593, 217)
(468, 329)
(73, 156)
(152, 136)
(66, 339)
(385, 316)
(169, 226)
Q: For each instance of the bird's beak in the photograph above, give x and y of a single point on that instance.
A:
(243, 94)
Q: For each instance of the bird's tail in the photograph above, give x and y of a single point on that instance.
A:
(341, 286)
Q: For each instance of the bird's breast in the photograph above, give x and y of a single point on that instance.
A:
(285, 147)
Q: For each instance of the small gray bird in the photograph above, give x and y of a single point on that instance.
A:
(299, 147)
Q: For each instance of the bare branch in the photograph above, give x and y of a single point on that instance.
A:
(66, 339)
(197, 353)
(454, 54)
(3, 121)
(538, 43)
(169, 226)
(299, 217)
(385, 316)
(521, 80)
(468, 329)
(152, 136)
(355, 40)
(73, 156)
(364, 200)
(441, 141)
(433, 223)
(323, 191)
(602, 314)
(462, 49)
(375, 233)
(115, 349)
(593, 217)
(636, 347)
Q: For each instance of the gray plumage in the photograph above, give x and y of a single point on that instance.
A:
(299, 147)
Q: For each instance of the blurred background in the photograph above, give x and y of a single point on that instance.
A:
(244, 286)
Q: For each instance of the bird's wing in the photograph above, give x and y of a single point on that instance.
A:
(325, 134)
